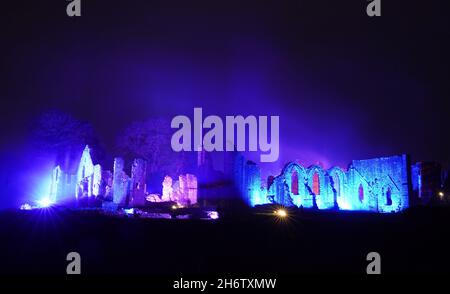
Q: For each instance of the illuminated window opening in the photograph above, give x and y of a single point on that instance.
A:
(361, 193)
(316, 184)
(294, 183)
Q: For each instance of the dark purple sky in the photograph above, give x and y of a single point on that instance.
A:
(345, 86)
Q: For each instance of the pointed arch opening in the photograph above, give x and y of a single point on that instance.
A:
(316, 184)
(294, 183)
(361, 193)
(388, 196)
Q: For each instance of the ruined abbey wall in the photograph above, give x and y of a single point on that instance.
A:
(379, 185)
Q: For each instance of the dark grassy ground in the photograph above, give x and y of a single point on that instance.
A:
(37, 242)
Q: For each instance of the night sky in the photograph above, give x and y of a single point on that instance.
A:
(345, 86)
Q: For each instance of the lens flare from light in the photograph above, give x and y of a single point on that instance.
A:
(45, 202)
(281, 213)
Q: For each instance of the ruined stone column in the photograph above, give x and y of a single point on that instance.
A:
(119, 182)
(97, 181)
(191, 182)
(138, 177)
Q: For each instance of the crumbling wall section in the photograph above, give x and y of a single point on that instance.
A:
(138, 177)
(120, 182)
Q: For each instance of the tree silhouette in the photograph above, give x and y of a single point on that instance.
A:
(59, 132)
(150, 140)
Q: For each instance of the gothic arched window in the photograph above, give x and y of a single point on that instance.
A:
(316, 184)
(361, 193)
(388, 197)
(294, 183)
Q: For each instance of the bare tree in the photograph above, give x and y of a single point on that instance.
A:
(150, 140)
(57, 131)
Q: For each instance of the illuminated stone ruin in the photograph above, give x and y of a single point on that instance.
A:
(121, 182)
(191, 186)
(186, 190)
(86, 180)
(183, 191)
(90, 180)
(167, 190)
(379, 185)
(138, 178)
(85, 175)
(107, 184)
(62, 185)
(247, 179)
